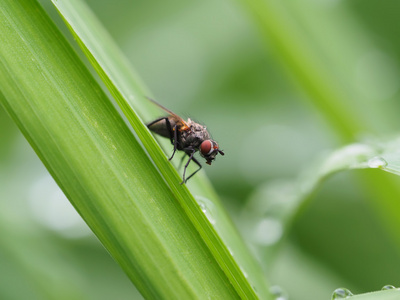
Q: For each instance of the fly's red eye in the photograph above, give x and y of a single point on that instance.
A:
(206, 147)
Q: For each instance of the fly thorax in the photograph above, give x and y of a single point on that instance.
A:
(194, 136)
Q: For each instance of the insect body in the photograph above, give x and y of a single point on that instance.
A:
(187, 136)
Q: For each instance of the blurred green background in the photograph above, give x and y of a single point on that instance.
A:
(209, 61)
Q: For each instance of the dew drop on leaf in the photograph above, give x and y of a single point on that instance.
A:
(377, 162)
(388, 287)
(341, 293)
(278, 292)
(208, 208)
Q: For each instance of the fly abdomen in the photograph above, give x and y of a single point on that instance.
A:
(162, 127)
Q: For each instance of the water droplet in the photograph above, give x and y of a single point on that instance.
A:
(203, 208)
(207, 207)
(388, 287)
(268, 231)
(278, 292)
(377, 162)
(341, 293)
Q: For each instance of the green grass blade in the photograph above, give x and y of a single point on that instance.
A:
(214, 226)
(391, 294)
(316, 70)
(97, 162)
(305, 63)
(295, 195)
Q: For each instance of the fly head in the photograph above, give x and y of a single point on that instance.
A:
(209, 149)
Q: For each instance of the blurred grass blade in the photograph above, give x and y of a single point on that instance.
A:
(38, 258)
(305, 63)
(391, 294)
(284, 200)
(97, 162)
(205, 210)
(304, 53)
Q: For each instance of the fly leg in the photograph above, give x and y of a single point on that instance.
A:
(191, 157)
(174, 140)
(199, 165)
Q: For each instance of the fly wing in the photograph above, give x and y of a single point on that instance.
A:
(173, 118)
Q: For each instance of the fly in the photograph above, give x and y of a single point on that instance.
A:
(187, 136)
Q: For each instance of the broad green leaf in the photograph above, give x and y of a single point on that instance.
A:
(97, 162)
(204, 209)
